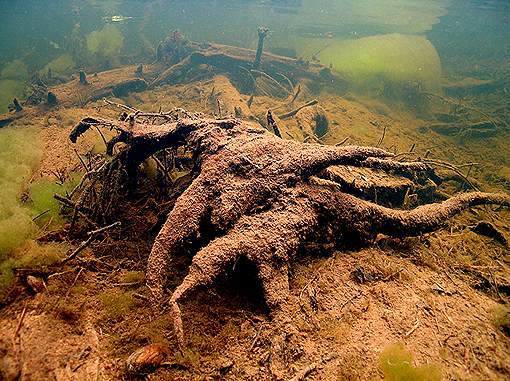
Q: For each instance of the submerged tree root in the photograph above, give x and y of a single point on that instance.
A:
(253, 195)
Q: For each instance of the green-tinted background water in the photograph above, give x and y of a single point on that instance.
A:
(82, 34)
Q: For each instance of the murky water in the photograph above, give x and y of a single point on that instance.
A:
(38, 31)
(419, 41)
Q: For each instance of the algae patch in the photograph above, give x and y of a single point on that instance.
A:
(106, 44)
(13, 80)
(383, 65)
(397, 365)
(64, 64)
(19, 155)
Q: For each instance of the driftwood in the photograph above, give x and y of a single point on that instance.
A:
(239, 61)
(258, 196)
(178, 58)
(99, 85)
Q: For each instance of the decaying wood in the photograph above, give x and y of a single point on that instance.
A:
(176, 57)
(253, 195)
(100, 85)
(235, 60)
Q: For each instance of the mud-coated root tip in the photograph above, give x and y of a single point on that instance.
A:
(177, 318)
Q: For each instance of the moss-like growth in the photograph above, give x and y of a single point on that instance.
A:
(391, 67)
(106, 43)
(501, 318)
(133, 277)
(30, 255)
(13, 80)
(19, 155)
(116, 305)
(42, 201)
(64, 65)
(397, 365)
(351, 367)
(15, 70)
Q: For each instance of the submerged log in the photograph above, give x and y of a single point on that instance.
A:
(100, 85)
(177, 56)
(236, 60)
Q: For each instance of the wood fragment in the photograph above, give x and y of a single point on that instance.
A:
(343, 141)
(83, 354)
(40, 215)
(20, 322)
(278, 84)
(97, 231)
(391, 276)
(140, 296)
(256, 338)
(262, 32)
(275, 214)
(350, 300)
(295, 111)
(415, 327)
(271, 123)
(310, 368)
(382, 137)
(451, 167)
(17, 106)
(74, 282)
(128, 284)
(84, 244)
(64, 200)
(78, 250)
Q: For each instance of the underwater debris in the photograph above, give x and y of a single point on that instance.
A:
(258, 196)
(83, 77)
(116, 18)
(262, 34)
(146, 360)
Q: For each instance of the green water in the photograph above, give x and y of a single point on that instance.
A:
(67, 35)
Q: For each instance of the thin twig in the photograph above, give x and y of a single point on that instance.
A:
(100, 230)
(140, 296)
(40, 215)
(288, 81)
(414, 328)
(128, 284)
(23, 312)
(102, 136)
(382, 137)
(74, 282)
(295, 111)
(451, 167)
(314, 277)
(310, 368)
(61, 273)
(314, 56)
(78, 250)
(81, 160)
(350, 300)
(119, 105)
(392, 275)
(84, 244)
(495, 283)
(343, 141)
(256, 338)
(272, 79)
(446, 100)
(64, 200)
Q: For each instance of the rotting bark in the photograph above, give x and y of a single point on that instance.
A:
(177, 56)
(258, 196)
(236, 60)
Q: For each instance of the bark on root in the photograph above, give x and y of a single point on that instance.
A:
(257, 195)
